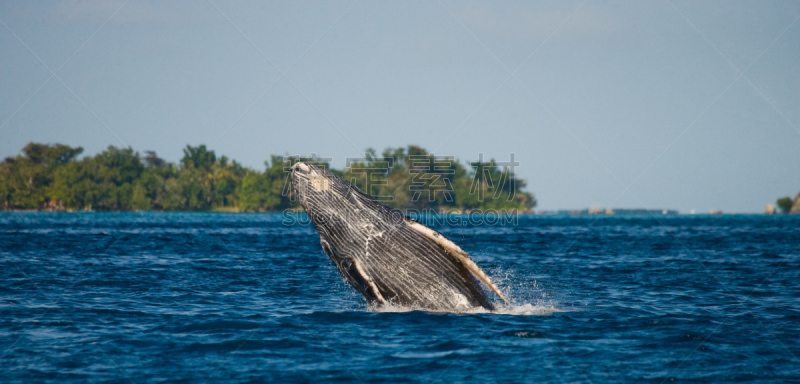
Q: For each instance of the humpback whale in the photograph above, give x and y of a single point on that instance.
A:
(388, 257)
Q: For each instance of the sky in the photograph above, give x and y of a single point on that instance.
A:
(662, 104)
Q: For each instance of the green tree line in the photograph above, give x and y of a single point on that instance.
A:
(787, 205)
(53, 177)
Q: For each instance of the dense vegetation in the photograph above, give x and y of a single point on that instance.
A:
(787, 205)
(52, 177)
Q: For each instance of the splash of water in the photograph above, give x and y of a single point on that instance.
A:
(504, 309)
(524, 299)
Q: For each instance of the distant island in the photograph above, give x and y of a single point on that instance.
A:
(611, 211)
(47, 177)
(785, 205)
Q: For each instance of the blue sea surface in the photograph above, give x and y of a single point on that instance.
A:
(241, 298)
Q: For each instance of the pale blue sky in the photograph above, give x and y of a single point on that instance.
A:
(661, 104)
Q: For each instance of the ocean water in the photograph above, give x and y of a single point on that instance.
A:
(242, 298)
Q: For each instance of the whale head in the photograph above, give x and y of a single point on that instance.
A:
(328, 199)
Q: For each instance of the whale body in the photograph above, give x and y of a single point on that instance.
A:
(389, 258)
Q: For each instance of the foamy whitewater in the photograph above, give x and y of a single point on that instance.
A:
(501, 309)
(243, 298)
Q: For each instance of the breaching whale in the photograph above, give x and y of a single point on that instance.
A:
(386, 256)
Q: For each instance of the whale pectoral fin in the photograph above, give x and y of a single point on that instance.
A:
(456, 252)
(357, 271)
